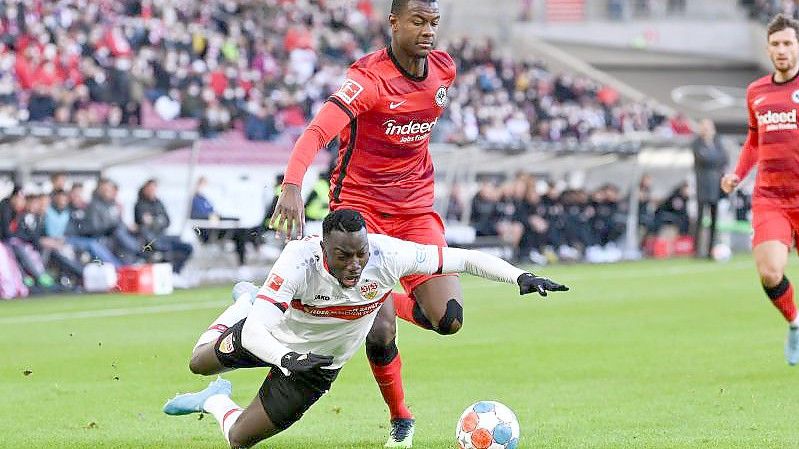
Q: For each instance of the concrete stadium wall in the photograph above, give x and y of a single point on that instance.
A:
(731, 40)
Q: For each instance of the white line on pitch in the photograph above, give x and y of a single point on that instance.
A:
(105, 313)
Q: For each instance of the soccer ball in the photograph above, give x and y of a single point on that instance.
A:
(487, 425)
(721, 252)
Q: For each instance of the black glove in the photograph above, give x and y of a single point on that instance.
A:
(305, 362)
(529, 283)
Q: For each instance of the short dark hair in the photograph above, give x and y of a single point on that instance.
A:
(398, 5)
(782, 22)
(345, 220)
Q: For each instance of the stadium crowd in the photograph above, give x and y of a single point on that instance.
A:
(262, 69)
(46, 240)
(764, 10)
(544, 221)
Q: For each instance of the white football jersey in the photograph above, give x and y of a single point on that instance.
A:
(325, 318)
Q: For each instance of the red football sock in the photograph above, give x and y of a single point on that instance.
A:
(404, 305)
(781, 296)
(389, 379)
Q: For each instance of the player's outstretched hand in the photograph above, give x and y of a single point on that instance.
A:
(729, 182)
(305, 362)
(530, 283)
(289, 216)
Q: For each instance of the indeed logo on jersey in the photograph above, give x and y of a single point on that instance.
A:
(409, 132)
(777, 121)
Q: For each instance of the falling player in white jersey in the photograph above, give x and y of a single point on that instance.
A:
(311, 315)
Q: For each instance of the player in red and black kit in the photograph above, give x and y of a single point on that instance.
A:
(384, 114)
(773, 144)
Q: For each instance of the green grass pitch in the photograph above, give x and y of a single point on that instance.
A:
(676, 354)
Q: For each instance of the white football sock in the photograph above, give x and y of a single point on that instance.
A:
(224, 410)
(795, 323)
(232, 315)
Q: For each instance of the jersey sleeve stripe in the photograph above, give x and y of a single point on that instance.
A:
(218, 327)
(340, 104)
(280, 305)
(440, 260)
(345, 161)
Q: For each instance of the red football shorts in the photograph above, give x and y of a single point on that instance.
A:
(771, 222)
(425, 228)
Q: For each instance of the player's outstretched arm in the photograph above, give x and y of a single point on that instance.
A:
(530, 283)
(289, 215)
(404, 258)
(457, 260)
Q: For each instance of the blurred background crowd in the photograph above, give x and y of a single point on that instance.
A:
(263, 68)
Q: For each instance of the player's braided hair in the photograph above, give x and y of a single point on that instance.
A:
(781, 22)
(345, 220)
(398, 5)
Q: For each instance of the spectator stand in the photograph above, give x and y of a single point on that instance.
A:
(571, 165)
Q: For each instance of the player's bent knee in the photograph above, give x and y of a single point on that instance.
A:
(202, 364)
(196, 366)
(383, 332)
(238, 439)
(381, 354)
(420, 318)
(236, 443)
(452, 320)
(769, 274)
(450, 329)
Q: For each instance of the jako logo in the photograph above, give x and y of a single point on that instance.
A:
(776, 118)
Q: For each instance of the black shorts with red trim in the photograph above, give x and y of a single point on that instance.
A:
(287, 398)
(231, 354)
(284, 398)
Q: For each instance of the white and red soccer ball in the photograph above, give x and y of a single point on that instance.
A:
(487, 425)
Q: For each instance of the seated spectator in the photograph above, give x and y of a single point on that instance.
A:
(58, 182)
(606, 226)
(103, 219)
(509, 221)
(536, 227)
(9, 208)
(674, 210)
(485, 209)
(24, 230)
(260, 124)
(646, 207)
(152, 220)
(455, 205)
(54, 252)
(64, 217)
(202, 209)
